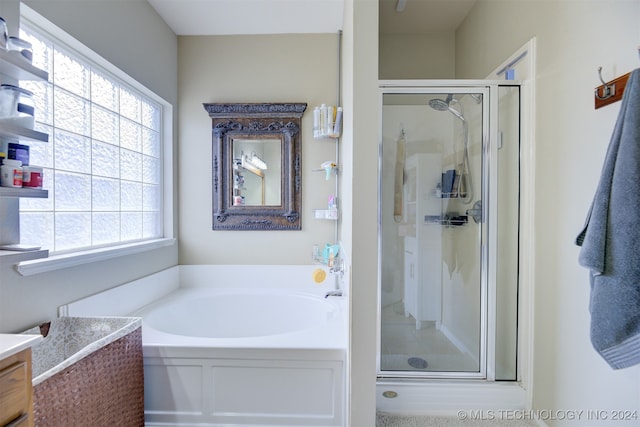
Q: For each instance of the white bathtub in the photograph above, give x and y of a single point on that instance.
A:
(219, 350)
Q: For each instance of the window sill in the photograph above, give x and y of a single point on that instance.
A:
(56, 262)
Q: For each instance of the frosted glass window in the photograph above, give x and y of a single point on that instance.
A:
(72, 230)
(103, 162)
(72, 152)
(104, 92)
(70, 74)
(131, 194)
(130, 135)
(105, 194)
(130, 165)
(104, 125)
(130, 105)
(105, 227)
(150, 116)
(131, 225)
(71, 113)
(72, 191)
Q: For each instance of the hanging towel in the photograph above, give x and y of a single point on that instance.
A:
(610, 240)
(399, 177)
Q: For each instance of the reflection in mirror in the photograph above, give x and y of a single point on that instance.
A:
(256, 166)
(256, 172)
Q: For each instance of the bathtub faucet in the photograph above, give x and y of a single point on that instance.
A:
(336, 293)
(337, 267)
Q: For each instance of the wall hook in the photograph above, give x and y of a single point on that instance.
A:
(607, 90)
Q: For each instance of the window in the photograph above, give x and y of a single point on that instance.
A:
(103, 165)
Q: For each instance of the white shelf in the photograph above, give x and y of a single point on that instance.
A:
(331, 214)
(13, 64)
(12, 131)
(24, 192)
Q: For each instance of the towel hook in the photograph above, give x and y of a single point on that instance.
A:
(607, 91)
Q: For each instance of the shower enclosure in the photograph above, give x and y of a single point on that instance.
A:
(448, 211)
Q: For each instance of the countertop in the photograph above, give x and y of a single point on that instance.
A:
(11, 344)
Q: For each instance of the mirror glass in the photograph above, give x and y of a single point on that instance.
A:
(256, 172)
(256, 166)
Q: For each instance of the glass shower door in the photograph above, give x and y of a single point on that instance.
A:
(433, 288)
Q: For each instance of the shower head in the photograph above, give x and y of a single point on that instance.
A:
(439, 104)
(445, 105)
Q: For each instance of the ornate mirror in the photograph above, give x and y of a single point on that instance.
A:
(256, 166)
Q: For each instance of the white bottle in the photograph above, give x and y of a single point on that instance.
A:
(316, 122)
(323, 120)
(11, 173)
(329, 129)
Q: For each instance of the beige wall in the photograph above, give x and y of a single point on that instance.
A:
(108, 28)
(417, 56)
(573, 38)
(261, 68)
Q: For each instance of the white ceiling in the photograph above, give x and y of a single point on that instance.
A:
(228, 17)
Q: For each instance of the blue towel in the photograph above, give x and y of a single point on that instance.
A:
(610, 240)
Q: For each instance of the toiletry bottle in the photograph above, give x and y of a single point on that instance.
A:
(316, 122)
(323, 119)
(337, 126)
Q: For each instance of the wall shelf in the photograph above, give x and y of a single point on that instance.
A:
(13, 64)
(24, 192)
(10, 130)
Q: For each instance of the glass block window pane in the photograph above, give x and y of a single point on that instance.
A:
(130, 105)
(103, 162)
(70, 74)
(72, 230)
(151, 116)
(105, 194)
(72, 112)
(104, 91)
(104, 125)
(72, 191)
(72, 152)
(130, 135)
(105, 227)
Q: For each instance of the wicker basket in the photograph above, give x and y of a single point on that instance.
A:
(106, 388)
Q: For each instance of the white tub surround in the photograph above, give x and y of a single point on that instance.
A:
(239, 345)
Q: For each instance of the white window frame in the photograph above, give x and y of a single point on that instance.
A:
(74, 258)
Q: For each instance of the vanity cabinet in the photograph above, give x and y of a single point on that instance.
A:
(421, 230)
(16, 391)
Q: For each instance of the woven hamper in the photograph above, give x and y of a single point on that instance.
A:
(104, 389)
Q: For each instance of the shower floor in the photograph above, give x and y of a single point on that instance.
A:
(403, 347)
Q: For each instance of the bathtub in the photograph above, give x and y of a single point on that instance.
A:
(221, 348)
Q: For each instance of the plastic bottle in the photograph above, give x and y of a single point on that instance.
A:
(337, 127)
(316, 122)
(11, 173)
(323, 120)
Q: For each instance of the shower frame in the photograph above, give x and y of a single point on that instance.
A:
(488, 251)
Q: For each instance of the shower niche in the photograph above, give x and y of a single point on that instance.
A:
(448, 211)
